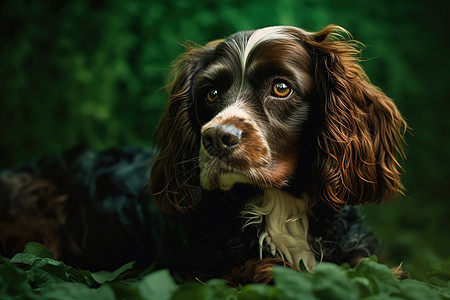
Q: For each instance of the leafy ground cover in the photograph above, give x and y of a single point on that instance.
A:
(34, 274)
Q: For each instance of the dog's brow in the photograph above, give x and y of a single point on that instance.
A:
(262, 35)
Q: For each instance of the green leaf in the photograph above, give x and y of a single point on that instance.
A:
(24, 258)
(32, 251)
(213, 289)
(190, 290)
(105, 276)
(13, 280)
(439, 276)
(218, 289)
(45, 272)
(364, 285)
(259, 291)
(380, 276)
(77, 291)
(38, 250)
(331, 282)
(413, 289)
(445, 292)
(292, 283)
(124, 290)
(81, 276)
(158, 285)
(373, 258)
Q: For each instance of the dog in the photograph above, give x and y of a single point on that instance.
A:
(271, 140)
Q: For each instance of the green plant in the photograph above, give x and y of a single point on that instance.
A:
(34, 274)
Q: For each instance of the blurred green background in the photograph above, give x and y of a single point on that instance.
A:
(91, 72)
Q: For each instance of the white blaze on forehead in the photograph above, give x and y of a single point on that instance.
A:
(260, 36)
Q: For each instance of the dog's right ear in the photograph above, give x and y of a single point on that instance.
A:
(360, 136)
(174, 181)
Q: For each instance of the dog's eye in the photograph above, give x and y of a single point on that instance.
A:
(212, 95)
(281, 89)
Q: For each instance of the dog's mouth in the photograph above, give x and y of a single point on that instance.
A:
(223, 173)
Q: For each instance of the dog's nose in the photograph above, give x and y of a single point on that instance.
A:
(220, 140)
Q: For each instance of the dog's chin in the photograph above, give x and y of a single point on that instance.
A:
(216, 174)
(223, 181)
(224, 178)
(228, 180)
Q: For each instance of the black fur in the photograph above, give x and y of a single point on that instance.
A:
(112, 220)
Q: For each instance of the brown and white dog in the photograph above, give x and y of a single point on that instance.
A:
(288, 112)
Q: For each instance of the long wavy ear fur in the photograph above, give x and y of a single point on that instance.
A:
(174, 182)
(360, 131)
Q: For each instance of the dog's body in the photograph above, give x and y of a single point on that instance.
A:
(268, 135)
(92, 210)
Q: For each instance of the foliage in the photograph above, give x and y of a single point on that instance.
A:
(91, 71)
(33, 274)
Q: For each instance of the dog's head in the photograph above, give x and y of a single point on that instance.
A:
(278, 107)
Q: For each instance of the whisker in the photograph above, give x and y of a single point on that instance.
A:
(264, 160)
(191, 160)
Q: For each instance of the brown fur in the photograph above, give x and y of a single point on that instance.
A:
(361, 131)
(177, 146)
(255, 271)
(39, 216)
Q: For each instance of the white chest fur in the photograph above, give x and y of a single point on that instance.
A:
(285, 224)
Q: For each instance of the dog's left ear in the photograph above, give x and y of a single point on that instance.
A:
(174, 180)
(360, 130)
